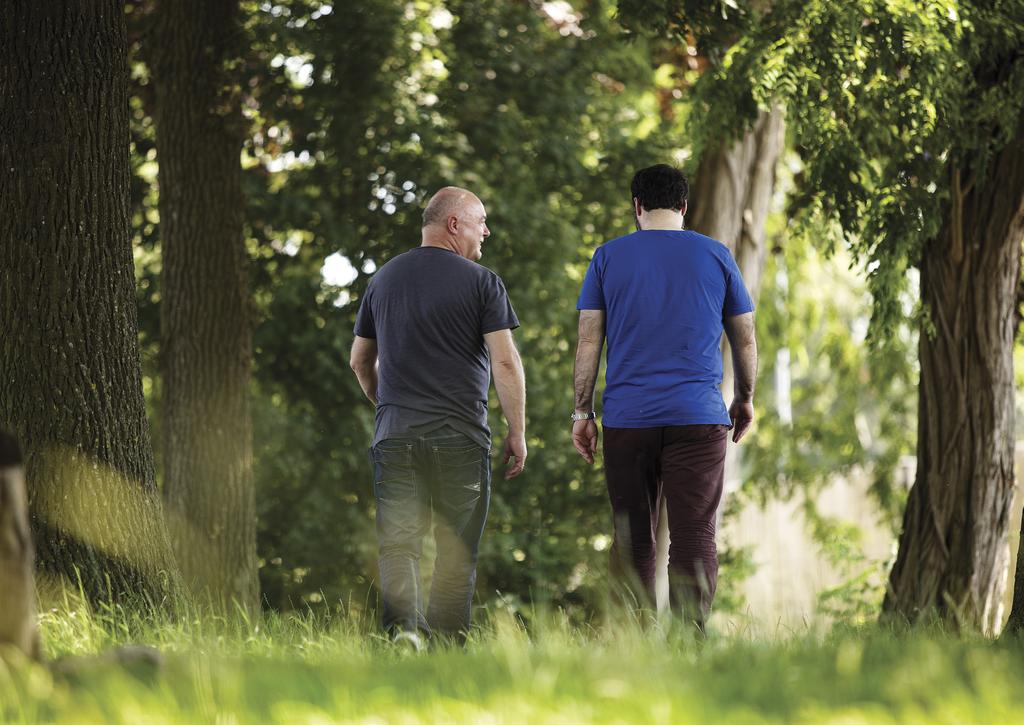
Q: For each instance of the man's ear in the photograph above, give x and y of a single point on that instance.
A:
(453, 224)
(683, 210)
(637, 207)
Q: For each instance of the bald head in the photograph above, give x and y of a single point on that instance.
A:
(455, 219)
(449, 201)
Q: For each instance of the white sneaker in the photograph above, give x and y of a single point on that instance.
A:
(409, 641)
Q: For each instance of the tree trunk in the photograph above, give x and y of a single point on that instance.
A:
(733, 190)
(17, 586)
(952, 559)
(729, 201)
(205, 316)
(70, 380)
(1015, 624)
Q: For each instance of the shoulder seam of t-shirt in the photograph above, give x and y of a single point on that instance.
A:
(492, 273)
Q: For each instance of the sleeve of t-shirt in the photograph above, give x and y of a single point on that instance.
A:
(592, 291)
(737, 299)
(364, 318)
(497, 309)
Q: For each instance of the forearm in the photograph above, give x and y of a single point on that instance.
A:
(588, 359)
(367, 377)
(363, 361)
(510, 384)
(744, 366)
(740, 332)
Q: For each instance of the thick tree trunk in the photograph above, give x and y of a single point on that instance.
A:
(952, 559)
(206, 335)
(70, 381)
(729, 201)
(17, 558)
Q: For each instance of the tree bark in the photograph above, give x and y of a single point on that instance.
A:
(729, 201)
(206, 335)
(732, 193)
(70, 381)
(952, 559)
(17, 558)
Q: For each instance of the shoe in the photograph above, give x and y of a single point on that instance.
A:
(408, 641)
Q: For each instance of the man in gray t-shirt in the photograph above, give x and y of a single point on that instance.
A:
(431, 328)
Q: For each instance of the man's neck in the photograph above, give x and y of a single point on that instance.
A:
(438, 242)
(661, 219)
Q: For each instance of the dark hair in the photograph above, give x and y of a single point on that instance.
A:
(660, 187)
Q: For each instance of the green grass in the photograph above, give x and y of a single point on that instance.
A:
(321, 669)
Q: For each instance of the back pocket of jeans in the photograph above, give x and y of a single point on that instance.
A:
(393, 474)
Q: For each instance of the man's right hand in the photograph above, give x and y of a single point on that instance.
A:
(584, 438)
(515, 448)
(742, 414)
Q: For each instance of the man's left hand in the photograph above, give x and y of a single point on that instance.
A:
(515, 450)
(742, 414)
(584, 438)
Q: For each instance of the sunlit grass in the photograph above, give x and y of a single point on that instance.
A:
(333, 667)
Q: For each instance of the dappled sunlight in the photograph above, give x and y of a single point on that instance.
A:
(97, 505)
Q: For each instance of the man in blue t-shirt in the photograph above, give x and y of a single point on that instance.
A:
(662, 297)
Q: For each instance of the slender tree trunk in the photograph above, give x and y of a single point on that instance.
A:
(732, 197)
(205, 316)
(729, 201)
(17, 558)
(70, 381)
(732, 194)
(1015, 624)
(952, 559)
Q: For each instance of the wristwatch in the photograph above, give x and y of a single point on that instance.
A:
(583, 416)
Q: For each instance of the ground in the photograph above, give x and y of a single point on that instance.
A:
(333, 668)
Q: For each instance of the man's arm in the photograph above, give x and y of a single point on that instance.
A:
(510, 384)
(363, 362)
(740, 331)
(588, 359)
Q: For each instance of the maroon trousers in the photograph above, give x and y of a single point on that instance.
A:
(685, 464)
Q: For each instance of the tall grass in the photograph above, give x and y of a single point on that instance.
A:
(332, 667)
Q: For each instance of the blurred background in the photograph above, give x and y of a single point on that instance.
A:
(355, 113)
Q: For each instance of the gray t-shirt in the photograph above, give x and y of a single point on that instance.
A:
(429, 309)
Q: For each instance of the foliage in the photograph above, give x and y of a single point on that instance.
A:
(827, 405)
(325, 668)
(888, 104)
(356, 117)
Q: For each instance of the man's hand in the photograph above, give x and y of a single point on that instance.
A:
(584, 437)
(515, 448)
(742, 414)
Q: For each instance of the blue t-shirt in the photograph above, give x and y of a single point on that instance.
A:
(664, 294)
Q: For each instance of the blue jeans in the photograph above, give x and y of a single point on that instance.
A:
(445, 473)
